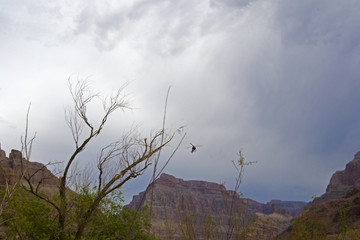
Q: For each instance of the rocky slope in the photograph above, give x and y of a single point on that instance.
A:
(337, 212)
(205, 208)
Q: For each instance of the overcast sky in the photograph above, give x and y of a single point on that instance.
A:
(278, 79)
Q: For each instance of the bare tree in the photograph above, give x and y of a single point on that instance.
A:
(132, 154)
(235, 209)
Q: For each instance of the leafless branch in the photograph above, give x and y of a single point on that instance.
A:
(82, 96)
(159, 153)
(26, 143)
(132, 154)
(233, 220)
(75, 124)
(26, 148)
(25, 174)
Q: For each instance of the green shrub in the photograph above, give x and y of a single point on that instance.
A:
(28, 217)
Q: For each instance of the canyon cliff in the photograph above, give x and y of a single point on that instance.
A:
(208, 208)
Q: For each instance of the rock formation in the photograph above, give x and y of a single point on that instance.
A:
(2, 153)
(338, 209)
(292, 208)
(177, 203)
(342, 181)
(12, 167)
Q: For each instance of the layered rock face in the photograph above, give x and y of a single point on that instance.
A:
(343, 181)
(177, 203)
(12, 167)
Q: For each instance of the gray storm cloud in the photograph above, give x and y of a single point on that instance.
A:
(277, 79)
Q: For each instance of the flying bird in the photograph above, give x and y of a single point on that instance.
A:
(193, 147)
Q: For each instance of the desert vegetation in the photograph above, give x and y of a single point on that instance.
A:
(29, 217)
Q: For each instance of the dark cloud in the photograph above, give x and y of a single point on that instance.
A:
(314, 93)
(142, 24)
(277, 79)
(111, 24)
(320, 23)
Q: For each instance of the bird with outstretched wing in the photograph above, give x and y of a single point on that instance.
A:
(194, 147)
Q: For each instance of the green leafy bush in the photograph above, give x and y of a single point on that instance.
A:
(28, 217)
